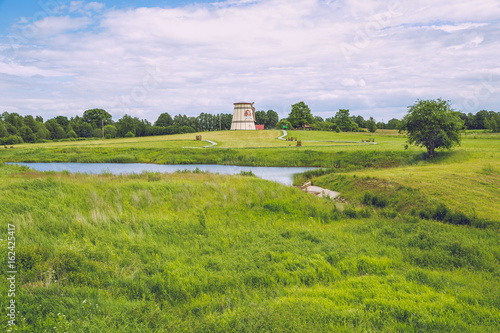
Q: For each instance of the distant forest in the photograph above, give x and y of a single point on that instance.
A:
(96, 123)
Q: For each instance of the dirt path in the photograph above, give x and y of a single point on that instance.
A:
(319, 191)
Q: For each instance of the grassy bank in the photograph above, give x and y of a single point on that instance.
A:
(466, 180)
(233, 148)
(201, 252)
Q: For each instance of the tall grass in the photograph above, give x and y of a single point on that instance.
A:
(200, 252)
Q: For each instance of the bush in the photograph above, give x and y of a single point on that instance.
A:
(129, 135)
(247, 173)
(440, 212)
(375, 200)
(11, 140)
(351, 213)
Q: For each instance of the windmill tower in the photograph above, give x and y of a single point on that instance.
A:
(243, 117)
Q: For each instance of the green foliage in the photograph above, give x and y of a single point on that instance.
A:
(96, 117)
(247, 173)
(110, 130)
(164, 120)
(344, 122)
(11, 140)
(371, 125)
(284, 124)
(432, 124)
(272, 119)
(199, 252)
(126, 125)
(260, 118)
(300, 115)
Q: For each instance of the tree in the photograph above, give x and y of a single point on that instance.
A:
(94, 117)
(318, 119)
(272, 119)
(126, 125)
(300, 115)
(493, 124)
(71, 133)
(393, 124)
(344, 121)
(432, 124)
(110, 130)
(63, 121)
(30, 122)
(261, 118)
(284, 123)
(3, 130)
(371, 125)
(56, 130)
(42, 133)
(360, 121)
(14, 119)
(164, 120)
(27, 134)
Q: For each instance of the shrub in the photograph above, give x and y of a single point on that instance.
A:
(375, 200)
(365, 213)
(458, 218)
(351, 213)
(11, 140)
(367, 198)
(129, 135)
(440, 212)
(424, 214)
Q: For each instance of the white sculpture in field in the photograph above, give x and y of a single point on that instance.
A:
(243, 117)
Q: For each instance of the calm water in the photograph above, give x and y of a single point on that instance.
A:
(277, 174)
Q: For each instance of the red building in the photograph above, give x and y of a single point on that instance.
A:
(259, 127)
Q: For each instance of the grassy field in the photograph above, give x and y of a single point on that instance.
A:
(233, 147)
(411, 246)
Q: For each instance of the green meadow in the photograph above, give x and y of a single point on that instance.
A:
(412, 245)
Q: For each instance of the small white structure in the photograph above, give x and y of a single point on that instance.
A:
(243, 117)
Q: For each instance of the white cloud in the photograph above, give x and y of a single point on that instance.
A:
(458, 27)
(202, 58)
(28, 71)
(54, 25)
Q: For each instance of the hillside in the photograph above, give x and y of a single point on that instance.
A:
(208, 253)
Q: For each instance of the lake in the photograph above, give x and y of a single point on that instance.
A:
(283, 175)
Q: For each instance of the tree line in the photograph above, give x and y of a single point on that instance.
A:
(97, 123)
(301, 115)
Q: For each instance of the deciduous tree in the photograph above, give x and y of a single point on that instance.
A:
(300, 115)
(432, 124)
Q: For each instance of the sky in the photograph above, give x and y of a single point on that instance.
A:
(146, 57)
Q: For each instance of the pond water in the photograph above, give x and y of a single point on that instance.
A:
(283, 175)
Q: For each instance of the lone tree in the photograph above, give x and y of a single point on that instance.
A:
(300, 115)
(432, 124)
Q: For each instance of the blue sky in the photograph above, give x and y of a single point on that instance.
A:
(145, 57)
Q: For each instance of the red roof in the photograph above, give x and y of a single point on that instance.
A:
(259, 127)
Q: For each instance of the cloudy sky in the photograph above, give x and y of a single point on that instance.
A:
(145, 57)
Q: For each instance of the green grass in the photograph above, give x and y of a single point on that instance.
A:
(200, 252)
(411, 246)
(234, 147)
